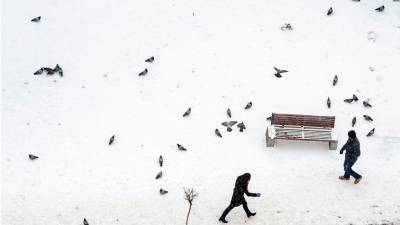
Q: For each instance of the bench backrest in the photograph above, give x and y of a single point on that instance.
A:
(303, 120)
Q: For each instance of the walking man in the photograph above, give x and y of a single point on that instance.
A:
(238, 196)
(352, 148)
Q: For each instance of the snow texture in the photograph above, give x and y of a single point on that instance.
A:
(210, 56)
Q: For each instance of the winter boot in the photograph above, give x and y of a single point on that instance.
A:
(344, 178)
(223, 220)
(357, 180)
(251, 214)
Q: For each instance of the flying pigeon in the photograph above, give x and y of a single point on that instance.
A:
(159, 175)
(278, 72)
(241, 126)
(36, 19)
(160, 160)
(39, 71)
(218, 133)
(371, 132)
(366, 104)
(144, 72)
(85, 222)
(181, 148)
(150, 60)
(368, 118)
(33, 157)
(355, 98)
(48, 70)
(248, 106)
(163, 192)
(380, 9)
(330, 11)
(187, 113)
(335, 80)
(58, 70)
(328, 103)
(353, 121)
(228, 111)
(349, 100)
(111, 140)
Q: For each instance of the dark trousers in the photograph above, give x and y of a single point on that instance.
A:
(230, 207)
(348, 171)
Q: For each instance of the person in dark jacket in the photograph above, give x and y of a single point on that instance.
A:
(352, 148)
(238, 196)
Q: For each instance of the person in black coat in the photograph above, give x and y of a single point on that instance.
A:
(352, 148)
(238, 199)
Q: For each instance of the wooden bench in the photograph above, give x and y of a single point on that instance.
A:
(301, 128)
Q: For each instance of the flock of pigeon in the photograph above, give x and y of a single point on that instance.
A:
(228, 124)
(366, 104)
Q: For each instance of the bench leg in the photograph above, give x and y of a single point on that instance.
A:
(333, 145)
(270, 141)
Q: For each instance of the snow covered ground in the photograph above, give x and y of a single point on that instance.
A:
(209, 55)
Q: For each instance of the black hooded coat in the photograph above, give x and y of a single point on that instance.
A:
(240, 189)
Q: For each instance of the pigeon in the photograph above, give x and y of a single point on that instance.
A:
(248, 106)
(335, 80)
(160, 160)
(231, 123)
(353, 121)
(48, 70)
(278, 72)
(150, 60)
(111, 140)
(241, 126)
(371, 132)
(163, 192)
(187, 113)
(380, 9)
(228, 124)
(328, 103)
(286, 26)
(159, 175)
(36, 19)
(181, 148)
(144, 72)
(228, 111)
(39, 71)
(368, 118)
(85, 222)
(218, 133)
(330, 11)
(366, 104)
(229, 129)
(33, 157)
(355, 98)
(349, 100)
(58, 70)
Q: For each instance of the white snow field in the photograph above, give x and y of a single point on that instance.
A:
(210, 56)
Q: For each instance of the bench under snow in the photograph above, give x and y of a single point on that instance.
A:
(301, 128)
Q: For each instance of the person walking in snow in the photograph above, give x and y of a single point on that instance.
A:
(238, 199)
(352, 148)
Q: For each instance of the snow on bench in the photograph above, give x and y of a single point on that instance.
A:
(301, 128)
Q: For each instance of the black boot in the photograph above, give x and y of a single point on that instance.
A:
(248, 213)
(223, 220)
(251, 214)
(226, 211)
